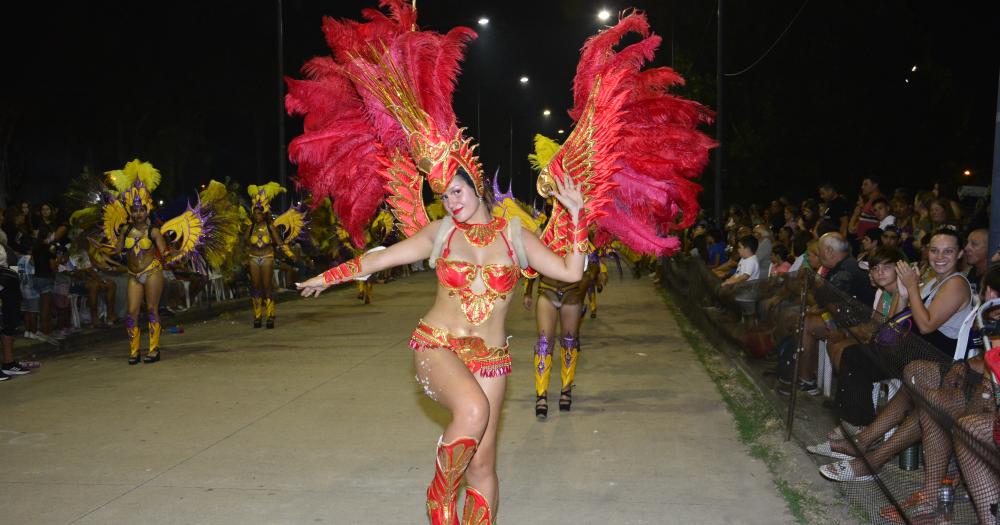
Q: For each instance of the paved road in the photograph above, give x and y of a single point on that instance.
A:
(320, 421)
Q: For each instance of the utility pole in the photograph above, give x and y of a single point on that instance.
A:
(994, 201)
(282, 162)
(719, 121)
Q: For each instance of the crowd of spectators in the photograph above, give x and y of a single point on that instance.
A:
(920, 262)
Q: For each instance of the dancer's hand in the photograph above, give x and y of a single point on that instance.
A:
(313, 287)
(569, 195)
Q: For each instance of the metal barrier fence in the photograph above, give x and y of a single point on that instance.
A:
(923, 419)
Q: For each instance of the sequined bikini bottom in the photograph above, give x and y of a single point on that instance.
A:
(487, 361)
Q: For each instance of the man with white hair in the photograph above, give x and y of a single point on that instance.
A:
(764, 247)
(843, 275)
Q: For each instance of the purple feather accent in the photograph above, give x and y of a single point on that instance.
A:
(497, 195)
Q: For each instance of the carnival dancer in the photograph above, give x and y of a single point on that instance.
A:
(561, 303)
(265, 237)
(378, 119)
(126, 227)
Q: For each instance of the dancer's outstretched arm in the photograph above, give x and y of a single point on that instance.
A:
(410, 250)
(544, 260)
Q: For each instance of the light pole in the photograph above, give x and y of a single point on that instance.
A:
(282, 164)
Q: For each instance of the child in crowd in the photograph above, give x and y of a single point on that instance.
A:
(779, 260)
(716, 248)
(747, 269)
(883, 212)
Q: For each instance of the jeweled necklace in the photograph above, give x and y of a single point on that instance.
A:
(481, 235)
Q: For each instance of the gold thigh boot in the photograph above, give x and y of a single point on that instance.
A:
(543, 370)
(569, 350)
(258, 308)
(132, 328)
(154, 340)
(269, 312)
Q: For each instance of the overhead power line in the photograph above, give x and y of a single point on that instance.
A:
(789, 26)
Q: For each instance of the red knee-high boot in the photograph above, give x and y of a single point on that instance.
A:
(477, 509)
(442, 494)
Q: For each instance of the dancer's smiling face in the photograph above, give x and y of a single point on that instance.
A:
(460, 200)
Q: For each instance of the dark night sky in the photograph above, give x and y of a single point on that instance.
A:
(192, 86)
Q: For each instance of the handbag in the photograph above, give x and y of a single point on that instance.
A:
(894, 329)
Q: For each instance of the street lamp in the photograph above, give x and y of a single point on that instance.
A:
(524, 80)
(546, 112)
(603, 15)
(483, 21)
(967, 173)
(561, 132)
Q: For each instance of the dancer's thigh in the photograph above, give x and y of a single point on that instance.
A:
(446, 379)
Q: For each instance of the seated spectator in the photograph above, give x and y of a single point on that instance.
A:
(891, 238)
(937, 312)
(748, 268)
(883, 212)
(870, 241)
(764, 247)
(779, 261)
(95, 284)
(785, 235)
(842, 275)
(716, 248)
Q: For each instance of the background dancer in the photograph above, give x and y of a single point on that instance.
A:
(265, 236)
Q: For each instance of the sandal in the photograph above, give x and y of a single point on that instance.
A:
(152, 357)
(565, 400)
(843, 471)
(824, 449)
(541, 407)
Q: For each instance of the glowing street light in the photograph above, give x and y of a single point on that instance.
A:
(524, 80)
(913, 69)
(604, 15)
(561, 132)
(483, 21)
(161, 202)
(547, 112)
(967, 173)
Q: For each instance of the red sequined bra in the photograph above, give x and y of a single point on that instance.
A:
(498, 280)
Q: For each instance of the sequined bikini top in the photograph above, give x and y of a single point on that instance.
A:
(138, 246)
(457, 277)
(261, 236)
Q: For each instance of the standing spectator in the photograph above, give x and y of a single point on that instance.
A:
(863, 218)
(10, 296)
(50, 228)
(836, 207)
(43, 260)
(19, 237)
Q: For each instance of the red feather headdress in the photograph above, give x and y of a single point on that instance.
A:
(378, 116)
